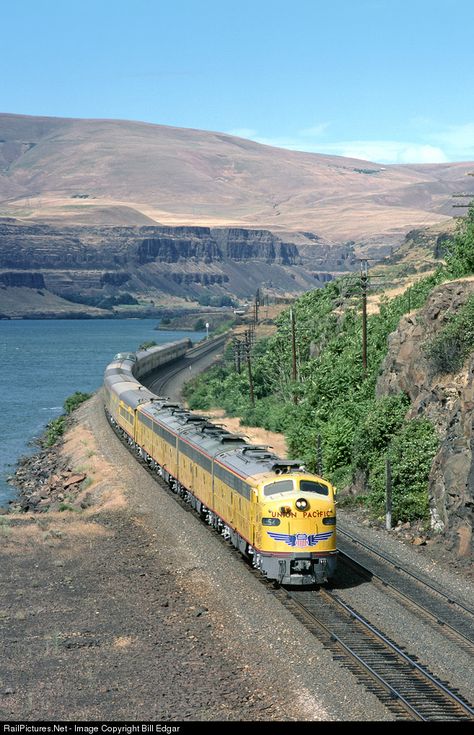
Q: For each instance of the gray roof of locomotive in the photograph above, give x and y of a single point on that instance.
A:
(135, 396)
(229, 449)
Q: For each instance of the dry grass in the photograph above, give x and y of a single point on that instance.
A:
(189, 177)
(84, 455)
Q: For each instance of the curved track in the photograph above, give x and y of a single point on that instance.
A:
(160, 380)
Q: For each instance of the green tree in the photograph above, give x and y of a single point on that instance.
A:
(460, 250)
(411, 453)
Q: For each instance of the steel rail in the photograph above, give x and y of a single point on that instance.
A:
(391, 649)
(425, 611)
(413, 664)
(359, 660)
(408, 572)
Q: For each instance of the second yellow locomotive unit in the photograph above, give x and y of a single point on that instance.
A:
(277, 514)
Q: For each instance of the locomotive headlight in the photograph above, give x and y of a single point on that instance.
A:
(301, 504)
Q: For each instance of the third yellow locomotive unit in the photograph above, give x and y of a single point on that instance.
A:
(277, 514)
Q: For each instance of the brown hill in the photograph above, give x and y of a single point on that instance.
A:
(114, 172)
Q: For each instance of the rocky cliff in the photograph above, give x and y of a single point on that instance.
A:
(447, 401)
(90, 264)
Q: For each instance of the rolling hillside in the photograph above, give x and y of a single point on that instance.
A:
(112, 172)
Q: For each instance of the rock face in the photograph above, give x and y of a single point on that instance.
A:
(82, 262)
(20, 280)
(447, 401)
(209, 244)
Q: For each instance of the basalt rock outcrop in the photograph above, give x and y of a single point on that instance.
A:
(81, 263)
(447, 401)
(22, 279)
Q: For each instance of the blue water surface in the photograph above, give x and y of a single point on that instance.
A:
(45, 361)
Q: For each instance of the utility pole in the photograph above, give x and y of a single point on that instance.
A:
(319, 456)
(237, 354)
(388, 494)
(250, 334)
(249, 366)
(364, 278)
(293, 351)
(257, 304)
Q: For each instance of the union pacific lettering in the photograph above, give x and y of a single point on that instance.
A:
(306, 514)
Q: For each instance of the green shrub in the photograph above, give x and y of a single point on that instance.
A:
(383, 419)
(71, 403)
(65, 506)
(54, 431)
(460, 249)
(56, 428)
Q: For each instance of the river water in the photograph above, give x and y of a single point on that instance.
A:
(45, 361)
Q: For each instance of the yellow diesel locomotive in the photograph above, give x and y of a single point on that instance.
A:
(278, 515)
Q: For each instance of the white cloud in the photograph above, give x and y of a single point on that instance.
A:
(387, 151)
(315, 130)
(379, 151)
(451, 143)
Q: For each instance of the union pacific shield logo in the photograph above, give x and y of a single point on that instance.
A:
(300, 540)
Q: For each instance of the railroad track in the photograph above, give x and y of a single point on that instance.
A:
(406, 687)
(157, 381)
(454, 619)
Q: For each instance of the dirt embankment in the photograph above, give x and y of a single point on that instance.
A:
(95, 620)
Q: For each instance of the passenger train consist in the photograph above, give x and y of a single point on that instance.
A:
(278, 515)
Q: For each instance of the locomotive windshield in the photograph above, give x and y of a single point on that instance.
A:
(126, 356)
(281, 486)
(309, 486)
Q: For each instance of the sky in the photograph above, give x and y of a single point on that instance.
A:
(389, 81)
